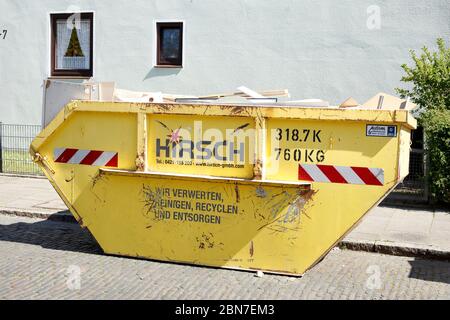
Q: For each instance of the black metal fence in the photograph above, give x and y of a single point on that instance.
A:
(15, 140)
(414, 188)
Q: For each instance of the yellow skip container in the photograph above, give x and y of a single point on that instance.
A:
(269, 188)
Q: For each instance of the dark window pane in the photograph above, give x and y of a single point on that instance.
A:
(170, 46)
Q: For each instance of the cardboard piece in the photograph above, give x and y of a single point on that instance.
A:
(384, 101)
(349, 103)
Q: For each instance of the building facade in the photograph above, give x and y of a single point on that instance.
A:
(317, 49)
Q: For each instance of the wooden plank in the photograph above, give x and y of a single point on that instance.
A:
(267, 93)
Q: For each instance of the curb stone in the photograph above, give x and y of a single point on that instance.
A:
(396, 249)
(18, 175)
(60, 216)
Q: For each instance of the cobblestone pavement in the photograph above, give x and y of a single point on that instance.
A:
(42, 259)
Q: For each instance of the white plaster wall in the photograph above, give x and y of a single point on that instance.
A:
(316, 49)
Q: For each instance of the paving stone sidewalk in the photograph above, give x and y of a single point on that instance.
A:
(392, 230)
(44, 259)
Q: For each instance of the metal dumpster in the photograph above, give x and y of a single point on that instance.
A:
(269, 188)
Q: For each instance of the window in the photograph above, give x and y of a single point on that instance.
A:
(71, 44)
(169, 39)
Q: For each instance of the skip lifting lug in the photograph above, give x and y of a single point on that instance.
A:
(42, 160)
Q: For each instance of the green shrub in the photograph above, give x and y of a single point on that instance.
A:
(437, 133)
(429, 81)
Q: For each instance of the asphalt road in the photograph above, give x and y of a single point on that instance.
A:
(55, 260)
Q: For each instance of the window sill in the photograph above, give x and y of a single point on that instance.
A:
(167, 66)
(69, 77)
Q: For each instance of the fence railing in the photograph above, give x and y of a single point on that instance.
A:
(414, 188)
(15, 140)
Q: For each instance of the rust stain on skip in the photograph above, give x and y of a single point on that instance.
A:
(164, 107)
(236, 190)
(98, 177)
(206, 241)
(257, 169)
(295, 207)
(140, 161)
(237, 110)
(307, 196)
(252, 249)
(151, 201)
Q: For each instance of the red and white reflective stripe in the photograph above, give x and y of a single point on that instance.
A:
(341, 174)
(87, 157)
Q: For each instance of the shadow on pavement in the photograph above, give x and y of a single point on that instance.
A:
(62, 216)
(71, 237)
(51, 235)
(429, 270)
